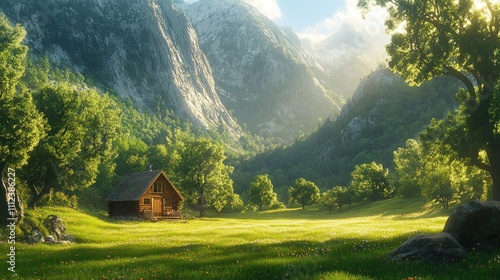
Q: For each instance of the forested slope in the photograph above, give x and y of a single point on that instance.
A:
(383, 113)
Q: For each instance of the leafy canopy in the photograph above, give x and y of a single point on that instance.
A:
(304, 192)
(81, 126)
(262, 193)
(370, 181)
(204, 176)
(457, 38)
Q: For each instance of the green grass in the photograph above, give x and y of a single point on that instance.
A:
(285, 244)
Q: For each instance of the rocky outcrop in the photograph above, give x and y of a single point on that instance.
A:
(262, 73)
(442, 247)
(55, 225)
(476, 225)
(143, 50)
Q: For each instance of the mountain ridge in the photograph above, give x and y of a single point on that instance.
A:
(146, 51)
(262, 75)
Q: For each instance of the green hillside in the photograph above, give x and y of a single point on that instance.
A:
(384, 112)
(285, 244)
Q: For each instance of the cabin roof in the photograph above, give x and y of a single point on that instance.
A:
(134, 185)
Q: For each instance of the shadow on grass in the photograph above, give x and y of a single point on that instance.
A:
(298, 259)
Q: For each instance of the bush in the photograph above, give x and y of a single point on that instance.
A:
(61, 199)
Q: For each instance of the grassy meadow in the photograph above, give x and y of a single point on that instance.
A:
(284, 244)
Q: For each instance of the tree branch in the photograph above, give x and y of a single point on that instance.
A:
(466, 81)
(479, 164)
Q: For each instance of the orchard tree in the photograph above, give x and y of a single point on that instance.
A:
(81, 126)
(304, 192)
(21, 125)
(262, 193)
(460, 39)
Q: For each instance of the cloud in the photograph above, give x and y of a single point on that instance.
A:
(372, 24)
(269, 8)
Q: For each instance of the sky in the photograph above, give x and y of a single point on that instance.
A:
(318, 19)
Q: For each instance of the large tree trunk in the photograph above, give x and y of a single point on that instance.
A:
(481, 122)
(4, 205)
(36, 196)
(493, 152)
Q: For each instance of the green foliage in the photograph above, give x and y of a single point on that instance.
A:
(459, 39)
(81, 126)
(261, 192)
(61, 199)
(21, 125)
(304, 192)
(370, 181)
(12, 55)
(432, 166)
(408, 169)
(392, 112)
(336, 197)
(204, 177)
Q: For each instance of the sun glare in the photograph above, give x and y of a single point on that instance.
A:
(482, 4)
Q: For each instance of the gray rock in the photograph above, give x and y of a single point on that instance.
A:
(50, 239)
(68, 237)
(440, 248)
(36, 237)
(476, 225)
(55, 225)
(63, 242)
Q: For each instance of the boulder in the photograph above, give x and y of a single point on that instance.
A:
(476, 225)
(440, 248)
(50, 240)
(55, 225)
(68, 237)
(36, 237)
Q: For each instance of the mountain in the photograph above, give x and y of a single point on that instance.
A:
(347, 57)
(261, 71)
(143, 50)
(383, 113)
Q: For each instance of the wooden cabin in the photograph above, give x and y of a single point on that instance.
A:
(149, 195)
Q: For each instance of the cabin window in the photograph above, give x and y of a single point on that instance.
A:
(147, 200)
(168, 201)
(158, 187)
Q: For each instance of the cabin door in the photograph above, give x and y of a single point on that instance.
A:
(158, 206)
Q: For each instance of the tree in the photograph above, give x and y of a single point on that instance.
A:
(219, 194)
(21, 125)
(203, 174)
(81, 127)
(304, 192)
(132, 156)
(370, 181)
(262, 193)
(460, 39)
(336, 197)
(437, 185)
(408, 169)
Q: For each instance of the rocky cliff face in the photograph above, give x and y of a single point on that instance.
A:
(145, 50)
(262, 73)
